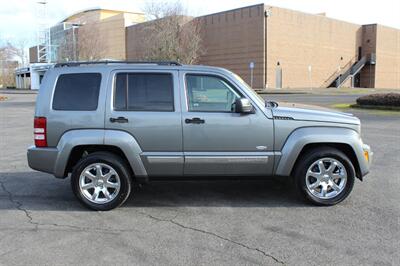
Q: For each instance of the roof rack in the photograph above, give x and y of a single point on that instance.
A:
(79, 63)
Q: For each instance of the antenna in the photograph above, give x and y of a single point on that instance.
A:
(43, 33)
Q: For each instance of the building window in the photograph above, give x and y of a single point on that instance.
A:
(77, 92)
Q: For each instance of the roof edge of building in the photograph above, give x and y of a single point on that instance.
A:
(312, 14)
(154, 20)
(98, 9)
(231, 10)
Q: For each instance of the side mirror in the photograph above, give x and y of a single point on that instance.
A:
(243, 106)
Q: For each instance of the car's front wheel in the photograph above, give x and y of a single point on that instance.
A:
(101, 181)
(324, 176)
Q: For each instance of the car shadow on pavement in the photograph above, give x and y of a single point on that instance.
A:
(38, 191)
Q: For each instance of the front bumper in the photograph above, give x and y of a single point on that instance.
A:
(367, 160)
(368, 154)
(42, 159)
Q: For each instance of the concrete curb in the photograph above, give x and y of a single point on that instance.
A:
(18, 92)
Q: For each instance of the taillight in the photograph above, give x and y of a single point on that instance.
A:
(40, 132)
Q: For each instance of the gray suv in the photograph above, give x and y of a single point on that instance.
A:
(110, 124)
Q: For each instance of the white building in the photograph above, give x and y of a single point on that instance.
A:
(31, 77)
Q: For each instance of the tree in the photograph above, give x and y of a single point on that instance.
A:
(171, 35)
(19, 50)
(81, 43)
(8, 63)
(90, 46)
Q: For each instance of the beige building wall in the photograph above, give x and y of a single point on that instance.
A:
(111, 36)
(303, 42)
(135, 44)
(109, 26)
(135, 49)
(387, 73)
(101, 34)
(233, 39)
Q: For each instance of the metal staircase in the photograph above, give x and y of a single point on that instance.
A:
(349, 71)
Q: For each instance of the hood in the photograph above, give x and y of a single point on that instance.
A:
(312, 113)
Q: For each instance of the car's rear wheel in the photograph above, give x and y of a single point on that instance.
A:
(324, 176)
(101, 181)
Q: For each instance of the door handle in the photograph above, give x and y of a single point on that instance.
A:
(119, 120)
(194, 120)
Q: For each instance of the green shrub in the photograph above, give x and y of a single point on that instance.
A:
(380, 99)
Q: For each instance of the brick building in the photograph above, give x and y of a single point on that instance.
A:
(291, 49)
(88, 35)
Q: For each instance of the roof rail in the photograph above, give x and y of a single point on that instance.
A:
(106, 62)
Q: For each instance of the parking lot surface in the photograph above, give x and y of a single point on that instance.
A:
(199, 223)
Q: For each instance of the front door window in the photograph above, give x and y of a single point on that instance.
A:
(210, 94)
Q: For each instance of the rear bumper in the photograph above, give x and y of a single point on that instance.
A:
(42, 159)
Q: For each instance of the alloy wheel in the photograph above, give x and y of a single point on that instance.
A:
(99, 183)
(326, 178)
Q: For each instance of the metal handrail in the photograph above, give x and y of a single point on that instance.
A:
(356, 67)
(337, 73)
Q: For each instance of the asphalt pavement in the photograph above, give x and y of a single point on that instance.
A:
(199, 223)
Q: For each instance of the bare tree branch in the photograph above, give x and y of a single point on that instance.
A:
(19, 50)
(171, 35)
(8, 63)
(82, 44)
(90, 46)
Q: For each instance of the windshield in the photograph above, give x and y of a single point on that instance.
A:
(250, 90)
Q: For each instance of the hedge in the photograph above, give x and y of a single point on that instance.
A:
(380, 99)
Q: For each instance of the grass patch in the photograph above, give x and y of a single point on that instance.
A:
(349, 91)
(342, 105)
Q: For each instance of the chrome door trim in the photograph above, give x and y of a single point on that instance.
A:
(226, 159)
(165, 159)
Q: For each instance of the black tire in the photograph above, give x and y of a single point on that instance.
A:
(308, 159)
(119, 166)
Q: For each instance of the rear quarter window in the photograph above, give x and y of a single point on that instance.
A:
(77, 92)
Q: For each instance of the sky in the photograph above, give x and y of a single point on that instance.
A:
(19, 17)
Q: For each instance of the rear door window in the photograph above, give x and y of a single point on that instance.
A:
(144, 92)
(77, 92)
